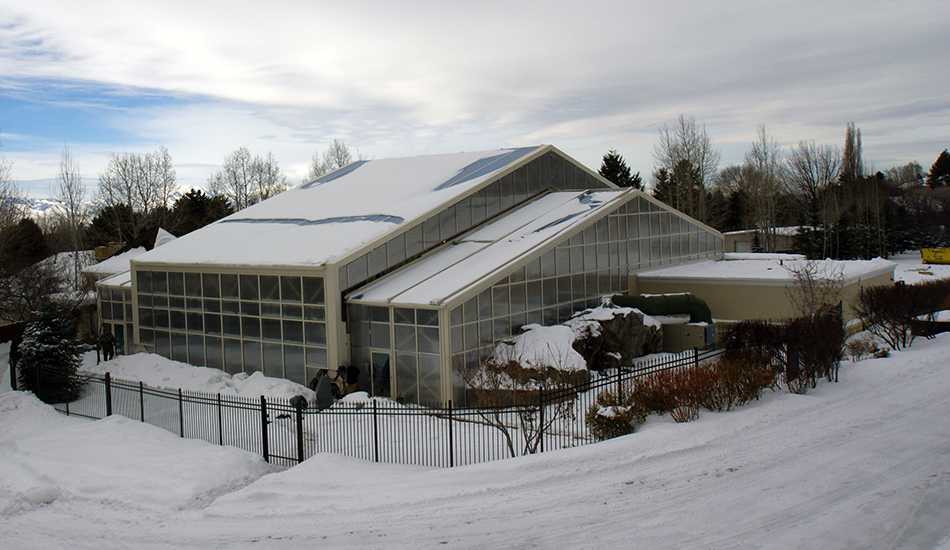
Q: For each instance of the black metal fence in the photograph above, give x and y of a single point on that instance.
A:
(287, 432)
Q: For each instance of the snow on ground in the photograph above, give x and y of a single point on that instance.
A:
(864, 463)
(911, 270)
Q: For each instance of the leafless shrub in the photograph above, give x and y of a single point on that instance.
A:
(889, 310)
(507, 393)
(861, 347)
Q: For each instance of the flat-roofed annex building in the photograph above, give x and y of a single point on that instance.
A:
(403, 267)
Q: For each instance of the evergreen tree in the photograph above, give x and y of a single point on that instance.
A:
(50, 358)
(25, 245)
(196, 209)
(616, 171)
(940, 171)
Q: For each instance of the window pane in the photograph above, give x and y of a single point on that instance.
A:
(270, 329)
(144, 280)
(270, 288)
(232, 356)
(313, 290)
(231, 325)
(193, 284)
(196, 350)
(379, 335)
(251, 327)
(249, 289)
(316, 334)
(290, 289)
(317, 357)
(428, 317)
(273, 360)
(177, 320)
(252, 356)
(176, 284)
(293, 364)
(405, 338)
(209, 283)
(293, 331)
(212, 324)
(213, 357)
(229, 286)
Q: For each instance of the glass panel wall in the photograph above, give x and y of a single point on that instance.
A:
(409, 337)
(509, 191)
(241, 323)
(115, 315)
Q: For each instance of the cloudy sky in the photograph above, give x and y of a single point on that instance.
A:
(418, 77)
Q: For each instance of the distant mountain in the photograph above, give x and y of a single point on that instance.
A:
(39, 209)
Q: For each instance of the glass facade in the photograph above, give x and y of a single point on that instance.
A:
(570, 276)
(115, 314)
(236, 322)
(574, 275)
(550, 171)
(409, 339)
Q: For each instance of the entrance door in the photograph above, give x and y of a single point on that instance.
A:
(119, 332)
(380, 374)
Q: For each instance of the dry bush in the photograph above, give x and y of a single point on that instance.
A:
(888, 310)
(861, 347)
(738, 376)
(682, 392)
(616, 412)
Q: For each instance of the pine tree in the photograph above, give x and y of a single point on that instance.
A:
(616, 171)
(940, 171)
(49, 358)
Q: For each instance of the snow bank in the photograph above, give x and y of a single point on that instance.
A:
(155, 370)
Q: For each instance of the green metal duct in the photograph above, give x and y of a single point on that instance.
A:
(667, 304)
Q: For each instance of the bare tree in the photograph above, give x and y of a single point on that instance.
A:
(336, 156)
(812, 170)
(764, 178)
(687, 141)
(247, 180)
(144, 183)
(71, 193)
(815, 286)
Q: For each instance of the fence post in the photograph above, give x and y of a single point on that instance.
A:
(541, 418)
(108, 394)
(264, 428)
(375, 432)
(181, 413)
(299, 406)
(696, 358)
(220, 428)
(451, 439)
(142, 400)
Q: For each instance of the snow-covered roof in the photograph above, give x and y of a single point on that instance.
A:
(116, 264)
(768, 270)
(322, 220)
(123, 280)
(483, 255)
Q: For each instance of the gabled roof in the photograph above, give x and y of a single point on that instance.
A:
(322, 220)
(486, 254)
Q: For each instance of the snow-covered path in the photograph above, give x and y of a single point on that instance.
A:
(864, 463)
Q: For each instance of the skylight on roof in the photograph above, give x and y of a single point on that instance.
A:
(485, 166)
(380, 218)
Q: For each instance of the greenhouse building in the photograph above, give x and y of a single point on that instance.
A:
(404, 268)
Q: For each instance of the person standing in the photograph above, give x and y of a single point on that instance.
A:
(107, 344)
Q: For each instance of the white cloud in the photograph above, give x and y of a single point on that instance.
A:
(415, 77)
